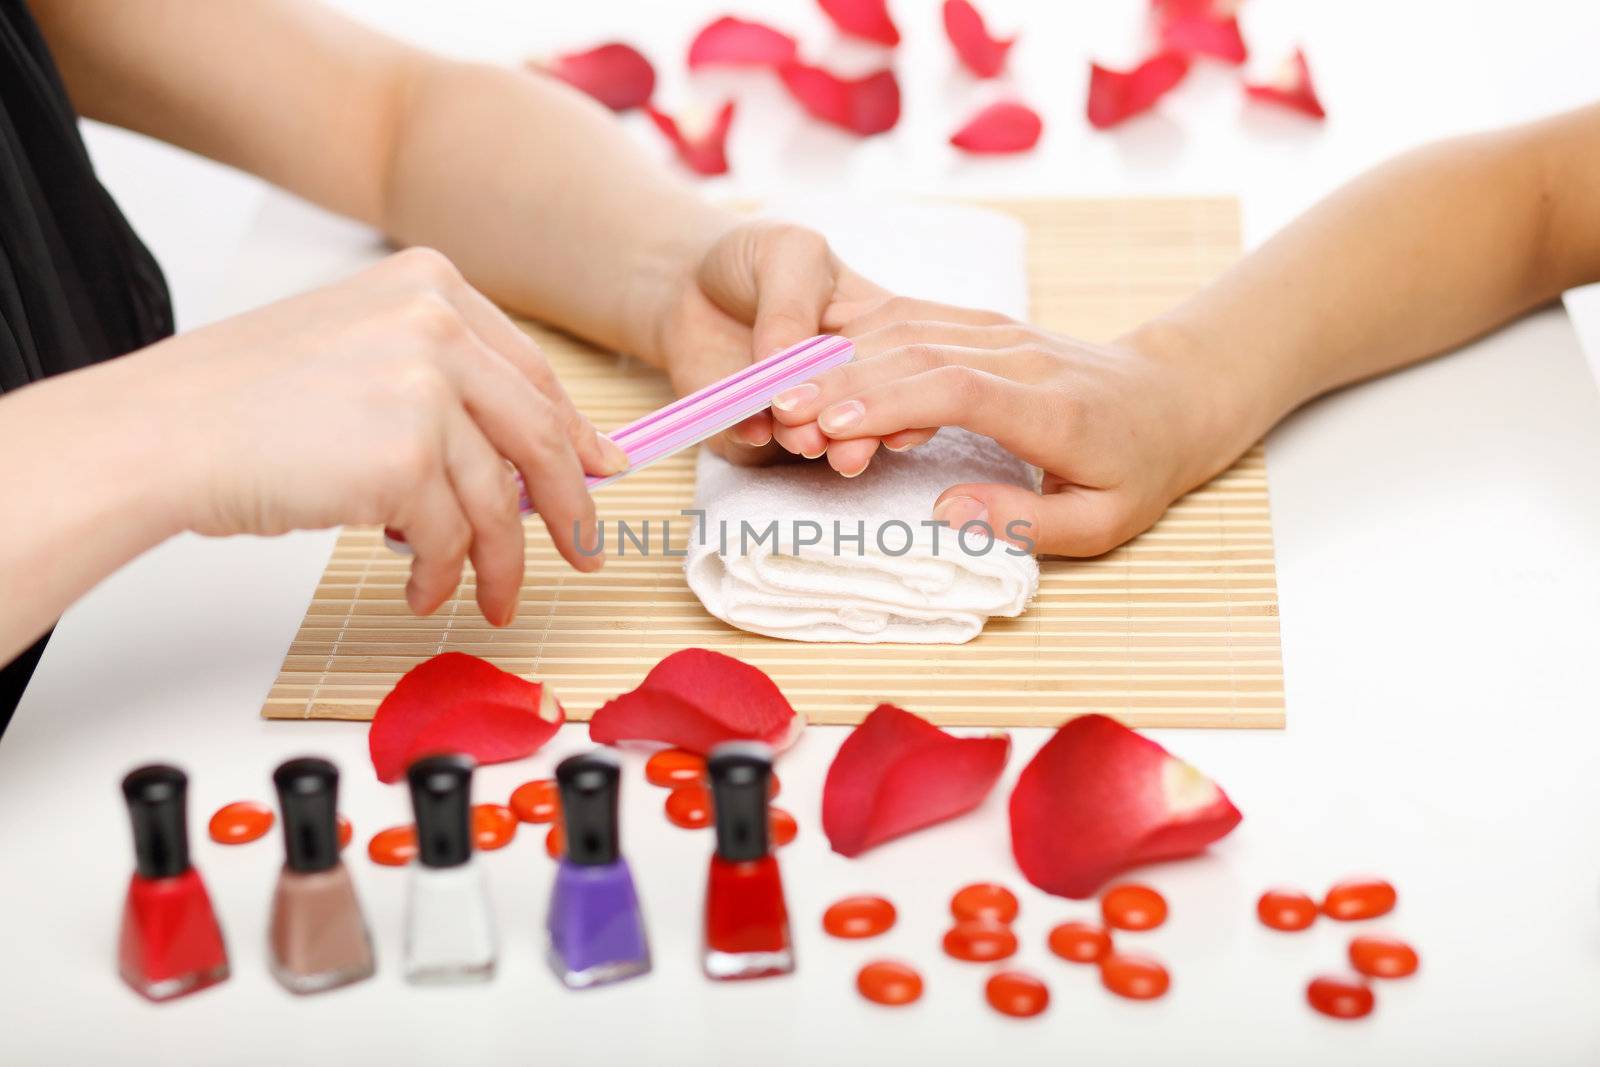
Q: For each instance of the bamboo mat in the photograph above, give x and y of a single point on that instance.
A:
(1177, 628)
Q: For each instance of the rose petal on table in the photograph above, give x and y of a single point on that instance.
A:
(1204, 34)
(697, 699)
(1098, 799)
(897, 773)
(1000, 128)
(867, 19)
(1118, 95)
(978, 50)
(703, 151)
(615, 74)
(1291, 88)
(862, 105)
(736, 42)
(459, 703)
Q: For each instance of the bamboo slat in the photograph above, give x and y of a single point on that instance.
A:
(1177, 628)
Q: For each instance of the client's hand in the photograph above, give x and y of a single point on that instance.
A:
(1120, 430)
(759, 287)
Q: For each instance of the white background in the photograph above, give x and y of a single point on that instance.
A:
(1440, 593)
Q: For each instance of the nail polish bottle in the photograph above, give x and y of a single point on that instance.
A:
(170, 943)
(449, 927)
(318, 939)
(747, 921)
(596, 930)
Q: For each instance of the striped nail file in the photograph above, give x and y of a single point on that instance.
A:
(692, 419)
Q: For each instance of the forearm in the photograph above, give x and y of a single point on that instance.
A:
(83, 491)
(542, 200)
(1406, 262)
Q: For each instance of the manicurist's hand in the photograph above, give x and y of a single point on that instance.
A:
(1120, 430)
(757, 288)
(400, 396)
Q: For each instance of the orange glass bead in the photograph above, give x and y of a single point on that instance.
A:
(345, 831)
(239, 823)
(980, 940)
(1131, 906)
(394, 847)
(984, 900)
(689, 806)
(888, 982)
(1080, 942)
(781, 827)
(536, 801)
(1134, 977)
(555, 842)
(856, 917)
(672, 767)
(773, 786)
(493, 826)
(1016, 993)
(1341, 996)
(1359, 898)
(1286, 909)
(1383, 957)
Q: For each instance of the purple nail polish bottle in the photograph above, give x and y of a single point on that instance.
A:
(596, 930)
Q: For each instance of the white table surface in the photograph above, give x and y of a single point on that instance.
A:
(1440, 591)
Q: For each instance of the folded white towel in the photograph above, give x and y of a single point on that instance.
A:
(800, 552)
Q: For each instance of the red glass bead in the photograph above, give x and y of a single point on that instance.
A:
(394, 847)
(781, 827)
(1133, 907)
(1383, 957)
(537, 801)
(980, 940)
(984, 900)
(345, 831)
(1134, 977)
(241, 822)
(555, 842)
(1359, 898)
(689, 806)
(1080, 942)
(1341, 996)
(1286, 909)
(1018, 994)
(856, 917)
(493, 826)
(672, 767)
(888, 982)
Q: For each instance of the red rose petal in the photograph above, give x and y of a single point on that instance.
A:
(1000, 128)
(897, 773)
(1099, 798)
(615, 74)
(1201, 29)
(1118, 95)
(865, 105)
(459, 703)
(737, 43)
(867, 19)
(1291, 88)
(982, 54)
(704, 152)
(696, 699)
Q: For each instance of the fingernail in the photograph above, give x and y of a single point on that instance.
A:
(852, 474)
(753, 436)
(960, 510)
(841, 416)
(790, 399)
(616, 460)
(900, 448)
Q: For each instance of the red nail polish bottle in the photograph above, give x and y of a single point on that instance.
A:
(747, 921)
(170, 944)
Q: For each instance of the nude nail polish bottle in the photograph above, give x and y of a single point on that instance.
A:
(449, 927)
(318, 938)
(746, 917)
(596, 930)
(170, 942)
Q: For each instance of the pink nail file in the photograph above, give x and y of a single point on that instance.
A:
(686, 422)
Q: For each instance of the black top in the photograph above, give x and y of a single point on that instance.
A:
(441, 798)
(308, 793)
(741, 775)
(157, 799)
(589, 785)
(76, 286)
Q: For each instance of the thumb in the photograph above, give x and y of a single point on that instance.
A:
(1071, 522)
(794, 274)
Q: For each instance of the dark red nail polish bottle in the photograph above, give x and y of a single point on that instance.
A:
(747, 921)
(171, 943)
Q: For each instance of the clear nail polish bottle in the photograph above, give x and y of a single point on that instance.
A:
(449, 927)
(596, 931)
(746, 917)
(318, 938)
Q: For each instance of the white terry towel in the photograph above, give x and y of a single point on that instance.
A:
(902, 581)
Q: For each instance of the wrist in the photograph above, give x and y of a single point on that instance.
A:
(662, 275)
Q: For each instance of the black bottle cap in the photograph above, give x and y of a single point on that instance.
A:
(589, 784)
(308, 793)
(156, 797)
(441, 798)
(741, 774)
